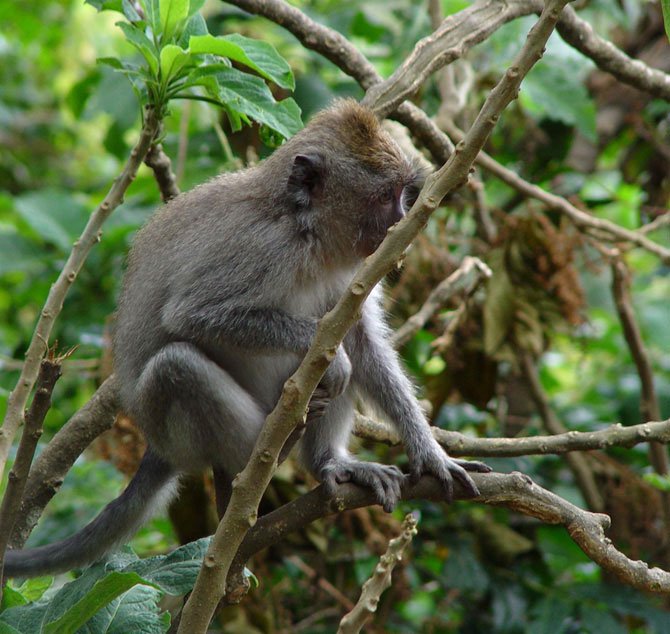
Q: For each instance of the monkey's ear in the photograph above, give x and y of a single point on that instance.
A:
(306, 178)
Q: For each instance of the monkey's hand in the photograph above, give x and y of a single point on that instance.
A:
(428, 458)
(336, 377)
(385, 481)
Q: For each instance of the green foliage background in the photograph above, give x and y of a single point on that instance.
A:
(66, 125)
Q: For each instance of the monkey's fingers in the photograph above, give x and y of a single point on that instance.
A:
(385, 481)
(473, 465)
(465, 481)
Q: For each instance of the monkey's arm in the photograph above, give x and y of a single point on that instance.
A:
(378, 372)
(251, 328)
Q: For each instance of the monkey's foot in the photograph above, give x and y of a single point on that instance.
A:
(385, 481)
(433, 460)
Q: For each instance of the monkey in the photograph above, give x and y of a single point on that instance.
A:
(220, 301)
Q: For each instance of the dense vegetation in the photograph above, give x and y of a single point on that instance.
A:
(570, 333)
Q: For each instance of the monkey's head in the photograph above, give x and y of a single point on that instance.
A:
(348, 180)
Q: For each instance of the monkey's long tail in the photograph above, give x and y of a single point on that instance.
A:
(152, 487)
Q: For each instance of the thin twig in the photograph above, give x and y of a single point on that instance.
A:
(649, 405)
(379, 581)
(54, 302)
(49, 373)
(458, 444)
(577, 462)
(467, 277)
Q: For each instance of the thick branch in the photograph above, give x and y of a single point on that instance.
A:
(54, 303)
(514, 491)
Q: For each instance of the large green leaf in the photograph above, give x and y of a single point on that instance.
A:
(554, 91)
(55, 215)
(142, 43)
(119, 596)
(249, 95)
(259, 56)
(102, 593)
(172, 14)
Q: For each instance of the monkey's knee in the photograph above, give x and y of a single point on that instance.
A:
(189, 406)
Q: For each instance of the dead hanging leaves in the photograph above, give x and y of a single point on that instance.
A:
(535, 288)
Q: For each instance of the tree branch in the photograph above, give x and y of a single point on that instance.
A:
(457, 444)
(56, 459)
(160, 164)
(379, 581)
(49, 373)
(467, 277)
(54, 303)
(513, 491)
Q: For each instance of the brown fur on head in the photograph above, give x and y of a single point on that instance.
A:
(364, 136)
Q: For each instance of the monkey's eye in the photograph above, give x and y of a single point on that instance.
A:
(387, 197)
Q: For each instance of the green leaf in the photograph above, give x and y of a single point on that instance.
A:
(33, 589)
(665, 7)
(102, 593)
(12, 597)
(196, 25)
(554, 91)
(142, 43)
(172, 14)
(106, 5)
(130, 12)
(195, 6)
(54, 215)
(153, 13)
(259, 56)
(136, 611)
(249, 95)
(173, 60)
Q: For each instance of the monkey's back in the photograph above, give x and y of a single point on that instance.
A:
(210, 244)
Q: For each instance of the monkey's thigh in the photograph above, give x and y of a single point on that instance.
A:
(194, 413)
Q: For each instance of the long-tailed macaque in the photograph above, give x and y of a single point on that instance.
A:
(224, 289)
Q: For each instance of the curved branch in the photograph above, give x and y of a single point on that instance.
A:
(514, 491)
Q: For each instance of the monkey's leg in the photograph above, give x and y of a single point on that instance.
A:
(324, 451)
(194, 413)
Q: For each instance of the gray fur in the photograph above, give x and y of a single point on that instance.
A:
(224, 289)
